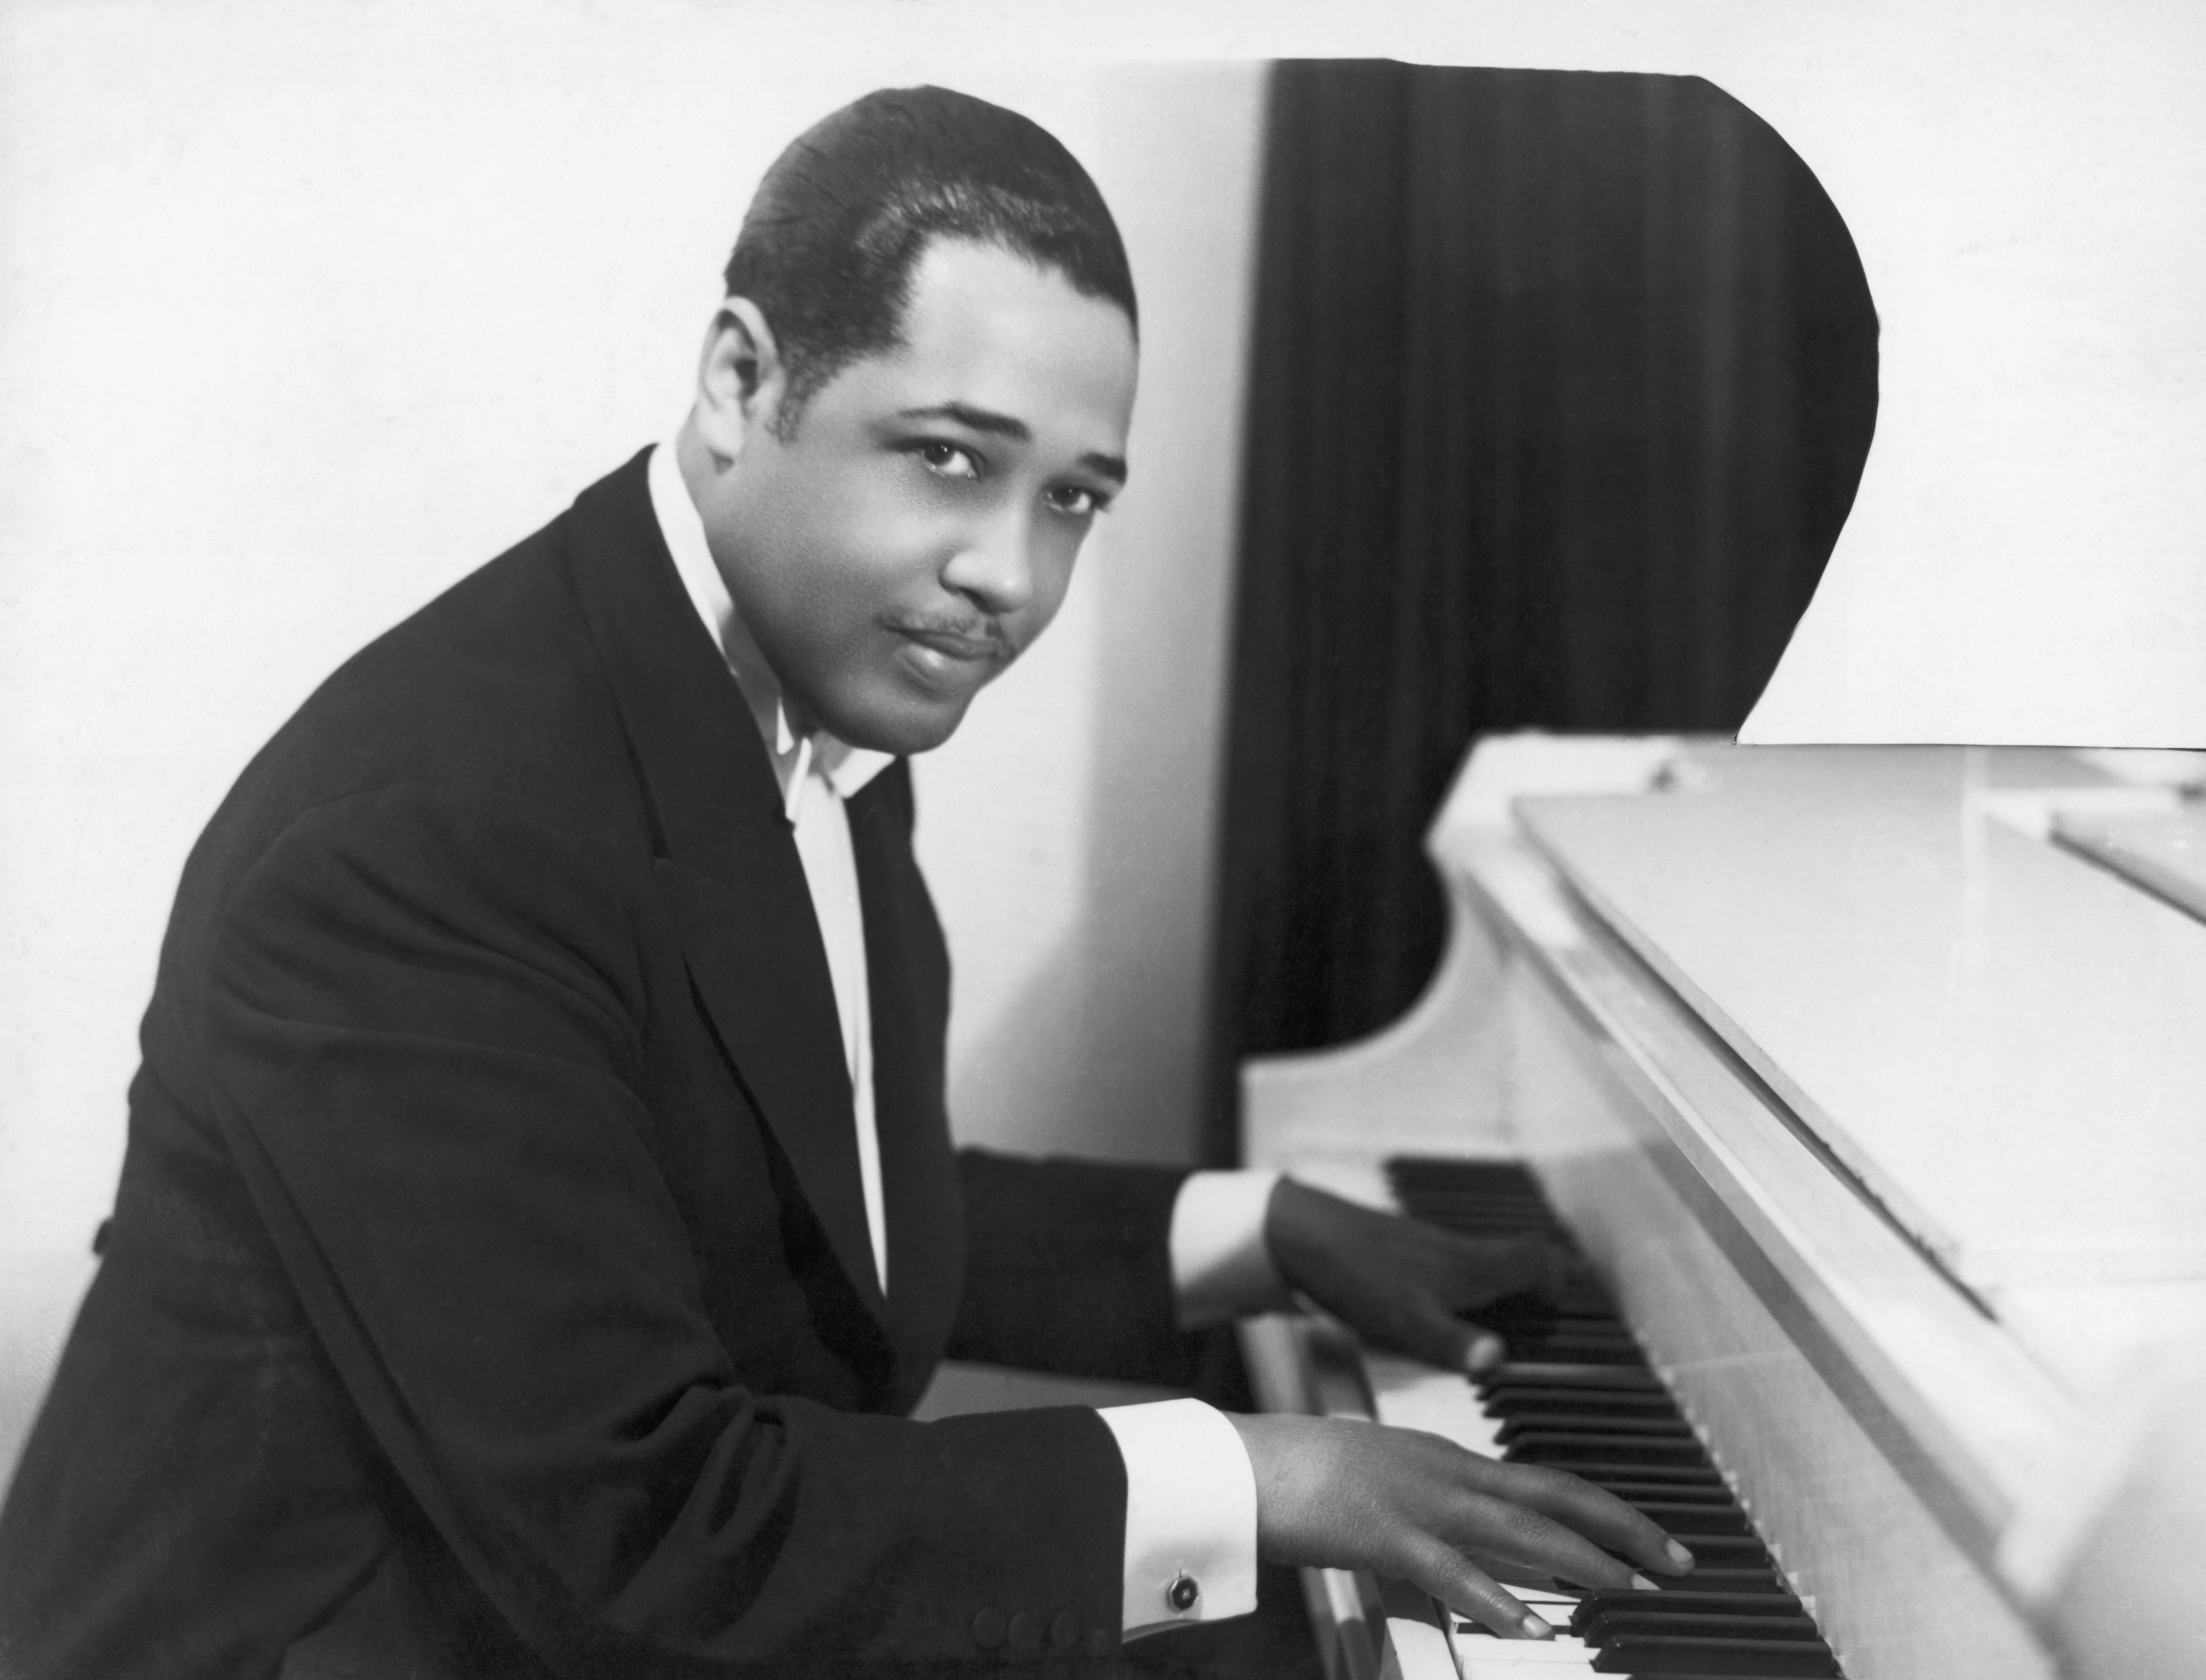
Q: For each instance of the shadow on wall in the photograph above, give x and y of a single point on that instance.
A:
(1116, 1005)
(1564, 386)
(1100, 1052)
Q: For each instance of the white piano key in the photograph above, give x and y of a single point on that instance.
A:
(1421, 1650)
(1409, 1394)
(1480, 1656)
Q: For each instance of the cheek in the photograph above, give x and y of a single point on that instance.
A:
(840, 571)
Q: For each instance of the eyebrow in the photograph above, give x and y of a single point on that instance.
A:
(991, 424)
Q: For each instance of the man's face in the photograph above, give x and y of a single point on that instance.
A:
(918, 530)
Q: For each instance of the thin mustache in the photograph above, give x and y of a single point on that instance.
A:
(985, 630)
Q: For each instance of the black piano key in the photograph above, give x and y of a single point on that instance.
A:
(1556, 1336)
(1590, 1315)
(1578, 1402)
(1443, 1172)
(1719, 1551)
(1603, 1630)
(1595, 1327)
(1514, 1373)
(1687, 1521)
(1541, 1446)
(1576, 1350)
(1759, 1581)
(1449, 1172)
(1764, 1658)
(1682, 1600)
(1698, 1495)
(1480, 1211)
(1555, 1321)
(1494, 1219)
(1600, 1474)
(1606, 1428)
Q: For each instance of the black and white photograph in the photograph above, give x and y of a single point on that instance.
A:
(1258, 843)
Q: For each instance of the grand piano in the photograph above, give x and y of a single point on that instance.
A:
(1871, 1084)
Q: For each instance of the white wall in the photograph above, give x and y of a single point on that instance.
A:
(304, 312)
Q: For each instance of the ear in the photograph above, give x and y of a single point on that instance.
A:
(741, 381)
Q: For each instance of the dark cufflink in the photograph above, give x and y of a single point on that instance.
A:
(989, 1628)
(1183, 1593)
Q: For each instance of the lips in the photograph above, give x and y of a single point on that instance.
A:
(953, 644)
(951, 660)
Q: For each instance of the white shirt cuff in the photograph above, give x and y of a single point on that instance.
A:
(1190, 1515)
(1220, 1265)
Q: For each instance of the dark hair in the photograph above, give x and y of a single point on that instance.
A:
(827, 249)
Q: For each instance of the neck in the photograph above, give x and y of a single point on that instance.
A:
(702, 468)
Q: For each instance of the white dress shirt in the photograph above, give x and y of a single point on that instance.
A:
(1190, 1493)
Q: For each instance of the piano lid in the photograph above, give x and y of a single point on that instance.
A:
(2005, 1043)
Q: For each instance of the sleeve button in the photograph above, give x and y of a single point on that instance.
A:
(1064, 1630)
(988, 1628)
(1183, 1593)
(1026, 1631)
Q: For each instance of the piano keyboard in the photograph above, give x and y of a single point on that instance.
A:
(1578, 1394)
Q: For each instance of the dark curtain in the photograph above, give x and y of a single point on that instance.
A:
(1562, 383)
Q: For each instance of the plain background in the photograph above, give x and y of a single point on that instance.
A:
(307, 309)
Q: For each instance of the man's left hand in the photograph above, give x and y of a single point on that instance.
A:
(1399, 1284)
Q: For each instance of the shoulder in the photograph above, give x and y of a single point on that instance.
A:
(424, 909)
(472, 751)
(492, 697)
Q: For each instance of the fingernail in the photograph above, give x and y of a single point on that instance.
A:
(1535, 1628)
(1678, 1554)
(1640, 1584)
(1485, 1354)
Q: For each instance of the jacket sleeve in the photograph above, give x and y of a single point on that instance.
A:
(422, 1035)
(1069, 1269)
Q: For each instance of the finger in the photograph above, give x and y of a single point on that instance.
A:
(1471, 1593)
(1418, 1324)
(1514, 1536)
(1593, 1512)
(1516, 1266)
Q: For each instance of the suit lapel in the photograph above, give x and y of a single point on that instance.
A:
(729, 871)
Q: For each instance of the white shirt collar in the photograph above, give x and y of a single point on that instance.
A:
(843, 767)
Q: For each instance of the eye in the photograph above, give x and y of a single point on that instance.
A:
(948, 460)
(1076, 501)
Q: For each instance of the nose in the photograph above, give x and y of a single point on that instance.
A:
(992, 564)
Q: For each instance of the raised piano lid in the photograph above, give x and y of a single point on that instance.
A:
(2005, 1043)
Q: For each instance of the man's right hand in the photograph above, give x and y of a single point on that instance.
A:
(1341, 1493)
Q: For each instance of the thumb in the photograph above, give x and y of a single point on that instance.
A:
(1422, 1328)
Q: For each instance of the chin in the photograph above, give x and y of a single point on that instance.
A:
(902, 726)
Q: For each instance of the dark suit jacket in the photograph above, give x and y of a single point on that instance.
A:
(488, 1290)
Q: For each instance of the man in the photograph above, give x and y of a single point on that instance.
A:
(539, 1213)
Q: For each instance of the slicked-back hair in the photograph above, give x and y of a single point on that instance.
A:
(827, 250)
